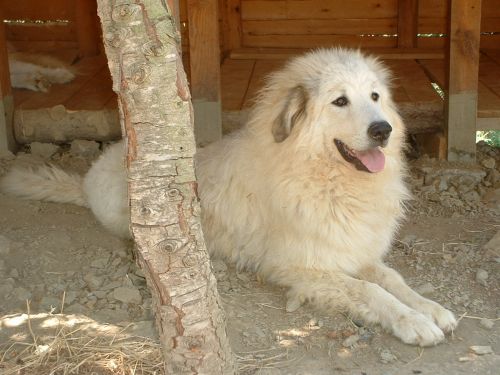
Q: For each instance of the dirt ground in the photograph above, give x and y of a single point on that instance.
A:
(59, 258)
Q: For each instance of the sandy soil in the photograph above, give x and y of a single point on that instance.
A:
(59, 258)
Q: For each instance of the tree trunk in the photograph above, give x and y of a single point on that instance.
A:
(142, 45)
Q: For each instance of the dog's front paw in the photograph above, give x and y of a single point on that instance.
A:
(416, 329)
(441, 316)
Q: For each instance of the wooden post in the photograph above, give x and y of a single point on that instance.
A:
(142, 46)
(465, 22)
(407, 23)
(87, 27)
(7, 141)
(231, 22)
(204, 56)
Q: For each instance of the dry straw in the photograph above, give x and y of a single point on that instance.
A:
(77, 350)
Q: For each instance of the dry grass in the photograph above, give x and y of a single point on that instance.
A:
(77, 350)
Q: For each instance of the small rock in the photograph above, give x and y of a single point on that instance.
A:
(144, 328)
(350, 341)
(5, 289)
(260, 332)
(100, 262)
(14, 273)
(70, 297)
(488, 163)
(494, 243)
(486, 323)
(93, 281)
(44, 150)
(21, 293)
(81, 147)
(76, 308)
(481, 350)
(5, 245)
(425, 289)
(127, 294)
(101, 294)
(481, 276)
(386, 356)
(2, 265)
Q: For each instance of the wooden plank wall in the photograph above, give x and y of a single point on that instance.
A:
(314, 23)
(67, 24)
(39, 36)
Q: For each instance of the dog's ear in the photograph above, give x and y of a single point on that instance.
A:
(294, 108)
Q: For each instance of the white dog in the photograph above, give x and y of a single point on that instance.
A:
(308, 194)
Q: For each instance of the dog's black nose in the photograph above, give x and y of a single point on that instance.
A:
(380, 131)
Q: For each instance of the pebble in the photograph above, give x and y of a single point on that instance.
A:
(21, 293)
(494, 243)
(386, 356)
(127, 294)
(14, 273)
(486, 323)
(5, 245)
(44, 150)
(425, 289)
(480, 349)
(5, 289)
(100, 262)
(488, 163)
(93, 281)
(481, 276)
(350, 341)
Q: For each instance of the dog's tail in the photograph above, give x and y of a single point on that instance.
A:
(46, 183)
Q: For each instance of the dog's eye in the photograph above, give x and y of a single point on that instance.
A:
(341, 101)
(375, 96)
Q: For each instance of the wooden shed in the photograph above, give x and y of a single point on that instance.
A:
(230, 45)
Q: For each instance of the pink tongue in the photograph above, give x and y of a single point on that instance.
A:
(373, 160)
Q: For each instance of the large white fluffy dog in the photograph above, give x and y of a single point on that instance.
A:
(308, 194)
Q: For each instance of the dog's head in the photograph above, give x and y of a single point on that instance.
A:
(338, 102)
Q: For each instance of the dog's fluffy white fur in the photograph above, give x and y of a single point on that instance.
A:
(292, 195)
(103, 189)
(278, 197)
(37, 72)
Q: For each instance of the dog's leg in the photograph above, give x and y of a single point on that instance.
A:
(363, 299)
(394, 283)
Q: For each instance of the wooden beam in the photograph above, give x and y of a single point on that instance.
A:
(204, 55)
(461, 111)
(231, 22)
(87, 28)
(7, 142)
(407, 23)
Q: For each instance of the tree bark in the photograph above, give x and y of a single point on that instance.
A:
(142, 45)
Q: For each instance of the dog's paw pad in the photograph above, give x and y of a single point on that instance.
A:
(416, 329)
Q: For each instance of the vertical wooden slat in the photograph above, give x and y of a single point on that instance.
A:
(407, 23)
(87, 27)
(232, 25)
(204, 54)
(465, 22)
(7, 142)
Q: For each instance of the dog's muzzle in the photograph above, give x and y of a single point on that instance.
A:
(380, 131)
